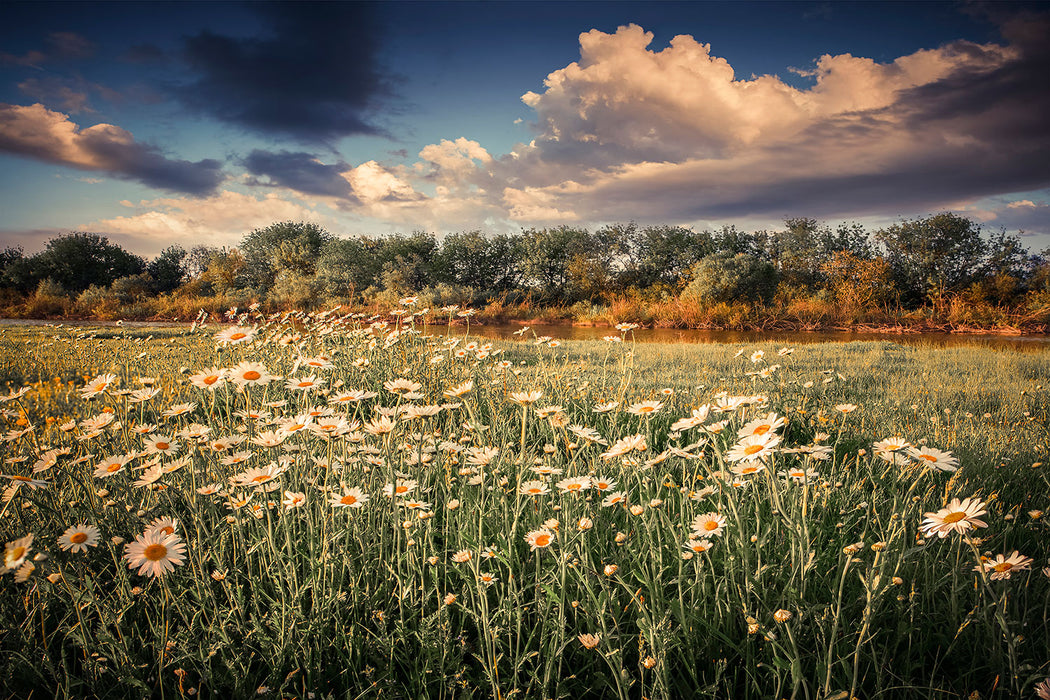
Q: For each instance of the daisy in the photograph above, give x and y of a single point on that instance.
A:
(163, 526)
(748, 468)
(487, 578)
(459, 390)
(574, 484)
(402, 386)
(402, 487)
(250, 373)
(319, 362)
(293, 499)
(935, 458)
(304, 384)
(462, 556)
(753, 447)
(800, 474)
(605, 407)
(379, 426)
(524, 398)
(645, 408)
(258, 476)
(269, 438)
(194, 431)
(97, 385)
(625, 445)
(211, 378)
(709, 525)
(760, 426)
(155, 553)
(533, 488)
(150, 476)
(959, 516)
(16, 552)
(179, 409)
(159, 443)
(539, 539)
(352, 497)
(602, 483)
(588, 434)
(698, 546)
(1002, 566)
(234, 335)
(614, 498)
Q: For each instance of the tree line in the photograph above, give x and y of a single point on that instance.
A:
(909, 265)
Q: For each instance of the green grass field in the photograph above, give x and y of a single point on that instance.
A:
(328, 508)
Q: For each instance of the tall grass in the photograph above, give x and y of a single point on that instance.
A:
(819, 587)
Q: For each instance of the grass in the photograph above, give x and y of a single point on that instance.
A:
(824, 587)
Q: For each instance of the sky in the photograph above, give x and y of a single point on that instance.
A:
(195, 123)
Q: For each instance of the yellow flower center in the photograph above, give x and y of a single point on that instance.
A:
(16, 553)
(401, 488)
(928, 458)
(210, 379)
(543, 540)
(752, 449)
(1003, 566)
(163, 446)
(251, 375)
(238, 336)
(78, 537)
(167, 530)
(573, 487)
(761, 430)
(954, 517)
(710, 525)
(155, 552)
(261, 478)
(348, 500)
(303, 385)
(114, 467)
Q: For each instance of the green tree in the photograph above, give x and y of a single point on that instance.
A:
(76, 261)
(546, 258)
(725, 277)
(287, 246)
(934, 255)
(472, 259)
(166, 271)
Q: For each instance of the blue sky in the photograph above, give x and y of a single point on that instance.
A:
(188, 123)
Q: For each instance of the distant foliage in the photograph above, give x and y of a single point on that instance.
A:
(807, 270)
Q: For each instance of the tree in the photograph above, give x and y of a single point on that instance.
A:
(546, 256)
(724, 277)
(286, 246)
(933, 255)
(490, 265)
(166, 271)
(78, 260)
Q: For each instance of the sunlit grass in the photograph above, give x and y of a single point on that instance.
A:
(300, 576)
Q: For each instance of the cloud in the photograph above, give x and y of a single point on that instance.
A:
(60, 46)
(302, 172)
(52, 90)
(629, 132)
(222, 219)
(315, 77)
(36, 132)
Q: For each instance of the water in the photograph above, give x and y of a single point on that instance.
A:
(787, 338)
(670, 335)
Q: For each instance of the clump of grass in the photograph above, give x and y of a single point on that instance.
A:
(350, 506)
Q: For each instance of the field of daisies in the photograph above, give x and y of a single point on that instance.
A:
(327, 505)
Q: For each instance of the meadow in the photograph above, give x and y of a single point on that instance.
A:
(330, 505)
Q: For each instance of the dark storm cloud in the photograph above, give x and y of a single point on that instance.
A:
(315, 77)
(60, 45)
(298, 171)
(34, 131)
